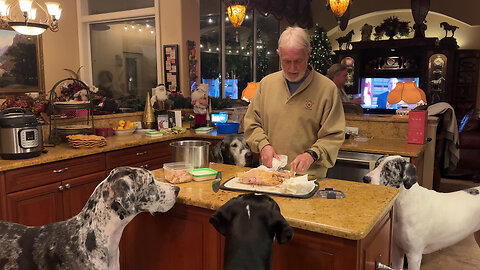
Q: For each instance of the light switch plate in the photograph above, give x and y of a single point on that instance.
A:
(351, 130)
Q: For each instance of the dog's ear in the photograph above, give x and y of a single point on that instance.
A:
(409, 175)
(283, 231)
(222, 217)
(217, 151)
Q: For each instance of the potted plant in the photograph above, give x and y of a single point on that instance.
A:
(392, 27)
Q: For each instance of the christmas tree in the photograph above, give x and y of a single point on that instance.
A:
(321, 57)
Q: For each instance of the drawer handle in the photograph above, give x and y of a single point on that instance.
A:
(60, 188)
(142, 153)
(145, 166)
(60, 170)
(67, 186)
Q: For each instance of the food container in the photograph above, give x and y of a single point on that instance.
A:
(204, 174)
(228, 128)
(194, 152)
(203, 129)
(123, 132)
(178, 172)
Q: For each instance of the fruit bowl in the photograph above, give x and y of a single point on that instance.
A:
(122, 132)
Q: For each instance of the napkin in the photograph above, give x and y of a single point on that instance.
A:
(277, 164)
(298, 185)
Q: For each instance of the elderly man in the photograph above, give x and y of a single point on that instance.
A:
(296, 111)
(338, 73)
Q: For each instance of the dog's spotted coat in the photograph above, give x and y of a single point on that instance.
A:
(425, 220)
(90, 239)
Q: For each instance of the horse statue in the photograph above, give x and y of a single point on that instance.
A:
(447, 27)
(347, 40)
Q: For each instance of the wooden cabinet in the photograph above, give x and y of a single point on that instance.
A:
(152, 155)
(52, 192)
(184, 239)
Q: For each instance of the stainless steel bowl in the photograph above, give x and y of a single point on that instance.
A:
(194, 152)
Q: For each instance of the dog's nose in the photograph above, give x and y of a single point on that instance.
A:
(367, 179)
(176, 190)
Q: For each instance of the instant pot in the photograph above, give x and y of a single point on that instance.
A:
(20, 134)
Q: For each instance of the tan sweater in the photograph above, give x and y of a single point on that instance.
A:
(312, 118)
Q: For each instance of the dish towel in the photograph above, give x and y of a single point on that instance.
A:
(452, 152)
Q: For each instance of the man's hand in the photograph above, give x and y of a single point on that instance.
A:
(301, 163)
(267, 154)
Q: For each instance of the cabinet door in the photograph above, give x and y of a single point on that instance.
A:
(182, 238)
(3, 198)
(36, 206)
(77, 191)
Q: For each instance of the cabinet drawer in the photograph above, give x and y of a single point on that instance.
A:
(152, 164)
(53, 172)
(134, 155)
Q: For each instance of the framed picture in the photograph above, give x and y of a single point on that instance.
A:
(172, 71)
(21, 63)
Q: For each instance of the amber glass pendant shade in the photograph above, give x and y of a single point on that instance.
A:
(339, 7)
(236, 14)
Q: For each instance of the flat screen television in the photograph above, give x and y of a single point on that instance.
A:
(374, 91)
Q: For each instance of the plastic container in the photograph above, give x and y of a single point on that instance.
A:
(204, 174)
(178, 172)
(203, 129)
(228, 128)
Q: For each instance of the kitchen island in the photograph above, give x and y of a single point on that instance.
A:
(350, 233)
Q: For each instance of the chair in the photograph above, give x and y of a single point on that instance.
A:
(469, 135)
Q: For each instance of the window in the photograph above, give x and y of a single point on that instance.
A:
(239, 50)
(120, 51)
(127, 66)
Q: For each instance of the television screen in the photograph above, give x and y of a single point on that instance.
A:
(374, 91)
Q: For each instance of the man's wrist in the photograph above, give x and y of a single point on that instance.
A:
(313, 154)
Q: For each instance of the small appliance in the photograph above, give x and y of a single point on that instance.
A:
(20, 134)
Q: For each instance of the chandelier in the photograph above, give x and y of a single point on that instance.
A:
(339, 7)
(30, 17)
(236, 10)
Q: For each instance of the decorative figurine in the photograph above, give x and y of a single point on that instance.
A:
(448, 27)
(159, 95)
(200, 103)
(347, 40)
(366, 32)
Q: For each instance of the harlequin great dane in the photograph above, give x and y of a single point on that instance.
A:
(425, 220)
(249, 223)
(90, 239)
(233, 150)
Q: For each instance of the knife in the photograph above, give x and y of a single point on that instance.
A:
(216, 182)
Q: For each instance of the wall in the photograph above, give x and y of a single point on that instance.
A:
(60, 49)
(179, 22)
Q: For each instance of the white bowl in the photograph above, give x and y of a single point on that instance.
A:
(122, 132)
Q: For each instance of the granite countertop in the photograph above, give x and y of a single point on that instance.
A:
(64, 151)
(350, 218)
(384, 147)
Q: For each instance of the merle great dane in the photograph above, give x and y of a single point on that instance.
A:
(90, 239)
(425, 220)
(249, 223)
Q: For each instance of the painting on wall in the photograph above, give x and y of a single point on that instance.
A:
(21, 63)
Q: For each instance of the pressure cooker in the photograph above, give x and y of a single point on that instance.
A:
(20, 134)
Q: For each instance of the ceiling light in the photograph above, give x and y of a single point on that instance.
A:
(30, 17)
(236, 10)
(339, 7)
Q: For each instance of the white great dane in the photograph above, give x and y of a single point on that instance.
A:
(425, 220)
(90, 239)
